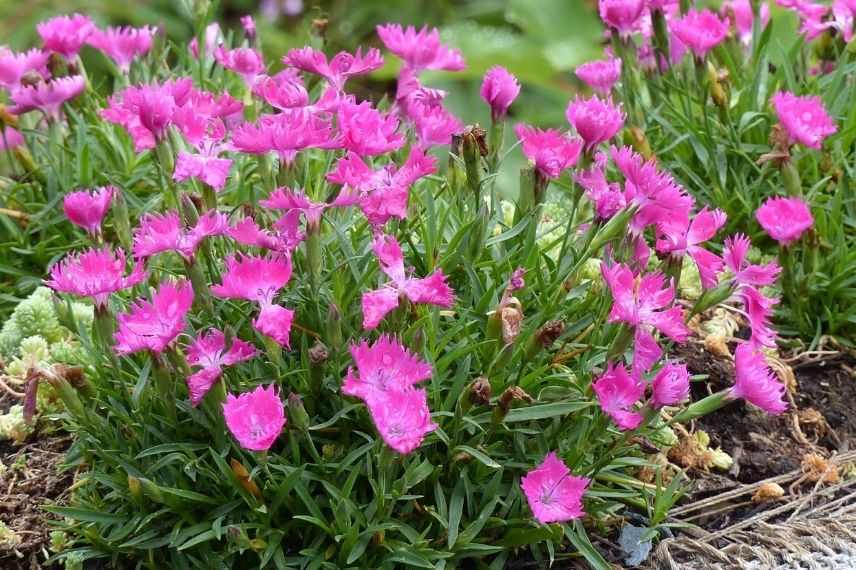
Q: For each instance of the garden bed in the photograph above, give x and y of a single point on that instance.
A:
(31, 476)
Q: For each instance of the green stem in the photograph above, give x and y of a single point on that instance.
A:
(165, 387)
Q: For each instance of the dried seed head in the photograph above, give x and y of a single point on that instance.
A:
(817, 468)
(512, 394)
(548, 334)
(480, 392)
(511, 318)
(318, 354)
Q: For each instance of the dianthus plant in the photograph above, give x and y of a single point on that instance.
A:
(319, 338)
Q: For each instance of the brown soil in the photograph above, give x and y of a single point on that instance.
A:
(762, 445)
(32, 478)
(765, 446)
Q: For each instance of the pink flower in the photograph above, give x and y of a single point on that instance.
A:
(517, 282)
(784, 219)
(13, 65)
(600, 74)
(805, 118)
(206, 134)
(432, 290)
(402, 418)
(287, 133)
(549, 150)
(755, 382)
(275, 322)
(607, 197)
(254, 278)
(385, 366)
(499, 89)
(381, 194)
(284, 90)
(259, 279)
(679, 240)
(249, 25)
(10, 139)
(701, 31)
(366, 131)
(342, 67)
(659, 199)
(295, 202)
(734, 254)
(152, 325)
(65, 34)
(87, 209)
(623, 15)
(553, 494)
(640, 302)
(208, 351)
(123, 44)
(433, 123)
(211, 170)
(287, 237)
(617, 393)
(671, 385)
(420, 49)
(747, 278)
(166, 232)
(47, 96)
(759, 312)
(94, 273)
(595, 120)
(146, 111)
(844, 14)
(213, 39)
(741, 13)
(255, 418)
(246, 62)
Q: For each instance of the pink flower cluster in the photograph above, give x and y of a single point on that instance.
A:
(158, 233)
(210, 353)
(817, 18)
(385, 381)
(431, 290)
(422, 50)
(259, 279)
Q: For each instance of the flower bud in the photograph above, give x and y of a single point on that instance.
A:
(135, 488)
(473, 147)
(544, 337)
(479, 392)
(297, 413)
(244, 478)
(712, 297)
(640, 142)
(703, 407)
(614, 228)
(499, 90)
(334, 326)
(121, 219)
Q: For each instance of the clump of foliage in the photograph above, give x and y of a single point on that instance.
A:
(321, 338)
